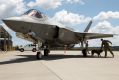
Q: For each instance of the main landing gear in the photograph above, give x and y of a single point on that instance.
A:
(39, 54)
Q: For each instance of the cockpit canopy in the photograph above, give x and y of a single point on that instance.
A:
(34, 13)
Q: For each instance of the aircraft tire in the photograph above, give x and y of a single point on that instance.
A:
(39, 55)
(84, 52)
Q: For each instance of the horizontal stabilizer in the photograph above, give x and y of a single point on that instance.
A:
(93, 35)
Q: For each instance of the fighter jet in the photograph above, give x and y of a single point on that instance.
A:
(35, 26)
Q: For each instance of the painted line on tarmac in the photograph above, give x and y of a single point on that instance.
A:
(52, 71)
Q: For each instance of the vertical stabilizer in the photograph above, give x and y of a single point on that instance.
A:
(88, 26)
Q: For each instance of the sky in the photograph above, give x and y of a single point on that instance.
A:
(73, 13)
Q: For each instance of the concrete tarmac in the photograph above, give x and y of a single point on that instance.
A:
(58, 65)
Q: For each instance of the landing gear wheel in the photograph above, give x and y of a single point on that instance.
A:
(84, 52)
(46, 52)
(39, 55)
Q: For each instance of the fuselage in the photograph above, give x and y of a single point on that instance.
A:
(46, 30)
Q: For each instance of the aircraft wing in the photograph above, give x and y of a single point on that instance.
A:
(93, 35)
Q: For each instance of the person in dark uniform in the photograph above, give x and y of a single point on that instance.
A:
(86, 46)
(105, 46)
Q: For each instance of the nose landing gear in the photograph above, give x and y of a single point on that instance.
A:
(46, 51)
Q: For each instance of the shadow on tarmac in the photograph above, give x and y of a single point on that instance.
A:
(24, 58)
(28, 58)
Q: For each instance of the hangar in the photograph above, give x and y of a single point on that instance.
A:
(5, 40)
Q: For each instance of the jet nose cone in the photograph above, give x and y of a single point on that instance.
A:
(11, 19)
(5, 20)
(13, 23)
(10, 23)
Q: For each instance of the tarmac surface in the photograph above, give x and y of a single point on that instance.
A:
(58, 65)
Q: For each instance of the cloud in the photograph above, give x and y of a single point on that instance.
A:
(47, 4)
(66, 17)
(106, 15)
(102, 27)
(11, 7)
(107, 28)
(75, 1)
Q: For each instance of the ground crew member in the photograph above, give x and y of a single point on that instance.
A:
(105, 46)
(86, 46)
